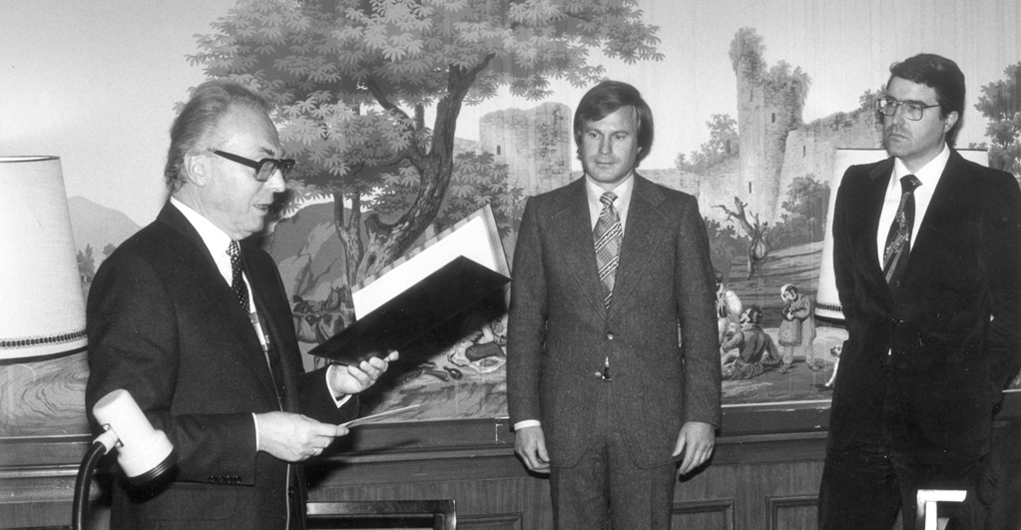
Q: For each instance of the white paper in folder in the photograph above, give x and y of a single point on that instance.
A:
(474, 237)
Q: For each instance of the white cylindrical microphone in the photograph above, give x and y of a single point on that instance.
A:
(144, 452)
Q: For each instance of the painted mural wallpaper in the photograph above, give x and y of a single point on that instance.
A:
(352, 84)
(407, 116)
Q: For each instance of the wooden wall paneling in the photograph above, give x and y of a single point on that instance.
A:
(757, 479)
(492, 489)
(798, 511)
(714, 514)
(36, 497)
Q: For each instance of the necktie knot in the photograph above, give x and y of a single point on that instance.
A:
(908, 183)
(607, 199)
(234, 251)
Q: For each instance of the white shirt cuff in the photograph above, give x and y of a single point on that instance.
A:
(254, 420)
(526, 423)
(338, 401)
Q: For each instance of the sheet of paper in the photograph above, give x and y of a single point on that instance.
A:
(474, 237)
(373, 417)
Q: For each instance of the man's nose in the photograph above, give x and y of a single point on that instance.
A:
(898, 114)
(276, 182)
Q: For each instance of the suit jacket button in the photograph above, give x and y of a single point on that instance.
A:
(609, 335)
(598, 374)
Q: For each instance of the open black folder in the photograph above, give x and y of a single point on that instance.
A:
(411, 314)
(421, 290)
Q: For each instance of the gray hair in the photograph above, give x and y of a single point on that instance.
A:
(209, 102)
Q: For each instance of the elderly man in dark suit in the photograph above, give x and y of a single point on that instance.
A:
(196, 326)
(927, 256)
(607, 269)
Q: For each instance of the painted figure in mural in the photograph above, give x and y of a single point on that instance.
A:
(605, 270)
(756, 351)
(927, 260)
(482, 346)
(192, 319)
(728, 306)
(797, 328)
(835, 353)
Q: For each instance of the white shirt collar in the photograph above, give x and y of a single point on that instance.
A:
(623, 191)
(928, 175)
(216, 240)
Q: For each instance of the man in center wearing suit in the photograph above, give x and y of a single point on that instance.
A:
(607, 269)
(191, 318)
(927, 259)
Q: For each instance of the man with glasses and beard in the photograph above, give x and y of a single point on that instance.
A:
(192, 320)
(927, 259)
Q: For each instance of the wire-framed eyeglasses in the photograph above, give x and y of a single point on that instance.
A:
(913, 110)
(264, 168)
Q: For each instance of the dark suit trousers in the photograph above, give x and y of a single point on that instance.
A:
(1001, 479)
(864, 485)
(606, 486)
(865, 481)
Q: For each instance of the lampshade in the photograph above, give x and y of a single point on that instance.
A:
(827, 301)
(42, 310)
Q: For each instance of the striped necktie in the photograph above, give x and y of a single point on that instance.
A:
(607, 236)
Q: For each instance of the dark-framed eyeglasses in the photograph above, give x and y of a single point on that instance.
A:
(264, 168)
(912, 110)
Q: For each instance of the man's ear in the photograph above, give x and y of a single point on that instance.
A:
(196, 168)
(950, 120)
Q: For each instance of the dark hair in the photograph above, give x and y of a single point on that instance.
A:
(754, 314)
(604, 99)
(209, 102)
(943, 76)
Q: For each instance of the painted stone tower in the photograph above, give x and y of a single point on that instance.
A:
(535, 144)
(770, 104)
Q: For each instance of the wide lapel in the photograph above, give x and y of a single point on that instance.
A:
(277, 322)
(644, 232)
(951, 187)
(873, 198)
(221, 305)
(574, 239)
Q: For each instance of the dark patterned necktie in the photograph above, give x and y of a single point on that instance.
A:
(607, 236)
(898, 241)
(240, 288)
(237, 280)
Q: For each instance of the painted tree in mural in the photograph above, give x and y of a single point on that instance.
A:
(756, 230)
(352, 79)
(804, 217)
(1001, 104)
(476, 180)
(723, 144)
